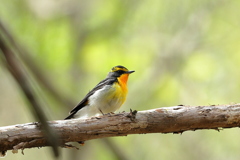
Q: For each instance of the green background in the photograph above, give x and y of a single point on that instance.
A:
(184, 52)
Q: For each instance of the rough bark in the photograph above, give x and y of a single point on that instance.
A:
(175, 119)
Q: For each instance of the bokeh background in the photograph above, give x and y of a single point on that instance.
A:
(184, 52)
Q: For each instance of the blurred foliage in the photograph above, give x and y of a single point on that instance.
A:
(183, 52)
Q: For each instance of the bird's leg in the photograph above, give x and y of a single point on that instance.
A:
(106, 113)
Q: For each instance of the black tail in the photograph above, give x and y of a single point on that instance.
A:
(69, 117)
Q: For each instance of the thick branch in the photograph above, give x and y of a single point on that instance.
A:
(161, 120)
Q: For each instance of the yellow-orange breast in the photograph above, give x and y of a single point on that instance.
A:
(122, 80)
(122, 89)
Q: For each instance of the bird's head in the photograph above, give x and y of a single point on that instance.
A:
(119, 71)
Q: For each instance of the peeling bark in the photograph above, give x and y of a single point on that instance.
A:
(175, 119)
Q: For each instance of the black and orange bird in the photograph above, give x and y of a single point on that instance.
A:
(106, 97)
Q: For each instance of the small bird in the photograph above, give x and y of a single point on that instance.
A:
(106, 97)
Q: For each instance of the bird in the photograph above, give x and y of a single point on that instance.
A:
(106, 97)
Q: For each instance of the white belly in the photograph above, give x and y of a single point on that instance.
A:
(104, 100)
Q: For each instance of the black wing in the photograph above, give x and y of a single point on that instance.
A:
(84, 101)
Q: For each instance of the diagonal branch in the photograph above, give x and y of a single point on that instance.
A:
(15, 68)
(33, 67)
(175, 119)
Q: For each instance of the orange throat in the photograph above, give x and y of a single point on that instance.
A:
(123, 81)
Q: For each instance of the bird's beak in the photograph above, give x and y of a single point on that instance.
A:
(129, 72)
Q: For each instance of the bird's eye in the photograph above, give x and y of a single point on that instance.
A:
(119, 71)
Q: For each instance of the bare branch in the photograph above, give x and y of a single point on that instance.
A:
(175, 119)
(15, 68)
(25, 56)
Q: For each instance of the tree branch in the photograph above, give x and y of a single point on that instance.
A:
(17, 71)
(175, 119)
